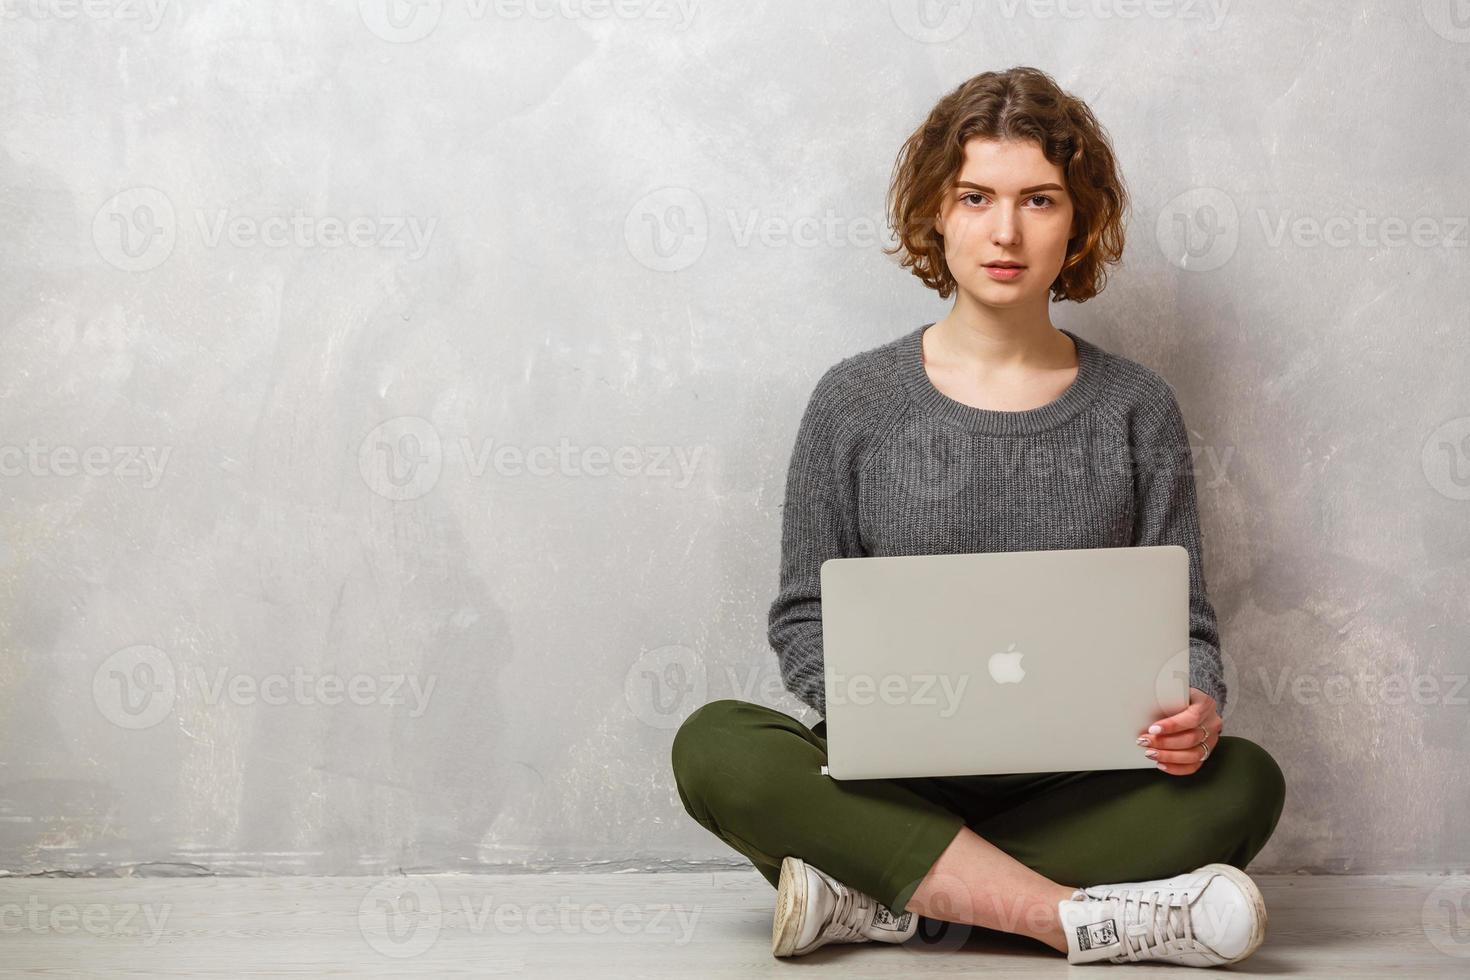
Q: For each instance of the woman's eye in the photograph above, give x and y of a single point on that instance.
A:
(974, 198)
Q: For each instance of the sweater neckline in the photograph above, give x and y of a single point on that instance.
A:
(988, 421)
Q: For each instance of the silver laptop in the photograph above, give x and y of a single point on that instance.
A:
(1008, 662)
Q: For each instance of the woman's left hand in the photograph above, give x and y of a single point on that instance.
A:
(1175, 741)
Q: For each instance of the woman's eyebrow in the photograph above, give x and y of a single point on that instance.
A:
(1024, 190)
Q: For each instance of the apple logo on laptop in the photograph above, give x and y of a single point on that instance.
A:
(1005, 667)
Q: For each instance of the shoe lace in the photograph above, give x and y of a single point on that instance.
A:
(851, 910)
(1147, 920)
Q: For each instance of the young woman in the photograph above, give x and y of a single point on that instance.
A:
(947, 440)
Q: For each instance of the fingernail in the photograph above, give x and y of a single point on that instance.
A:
(1144, 740)
(1161, 766)
(1155, 729)
(1151, 754)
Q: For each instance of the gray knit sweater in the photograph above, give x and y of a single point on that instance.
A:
(887, 464)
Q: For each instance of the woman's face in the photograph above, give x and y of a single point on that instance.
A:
(1008, 204)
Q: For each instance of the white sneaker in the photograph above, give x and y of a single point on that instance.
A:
(1209, 917)
(814, 909)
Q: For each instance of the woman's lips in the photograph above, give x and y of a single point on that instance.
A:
(1003, 273)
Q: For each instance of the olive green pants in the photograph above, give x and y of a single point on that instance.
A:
(752, 776)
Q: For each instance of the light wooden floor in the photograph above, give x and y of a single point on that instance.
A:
(628, 925)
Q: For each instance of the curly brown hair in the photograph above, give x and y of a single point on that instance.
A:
(1018, 104)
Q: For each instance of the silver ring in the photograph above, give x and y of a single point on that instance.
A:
(1205, 753)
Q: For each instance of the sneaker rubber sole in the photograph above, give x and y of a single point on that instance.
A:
(790, 907)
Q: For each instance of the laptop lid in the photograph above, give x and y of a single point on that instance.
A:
(1005, 662)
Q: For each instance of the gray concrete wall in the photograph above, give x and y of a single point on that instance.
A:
(397, 399)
